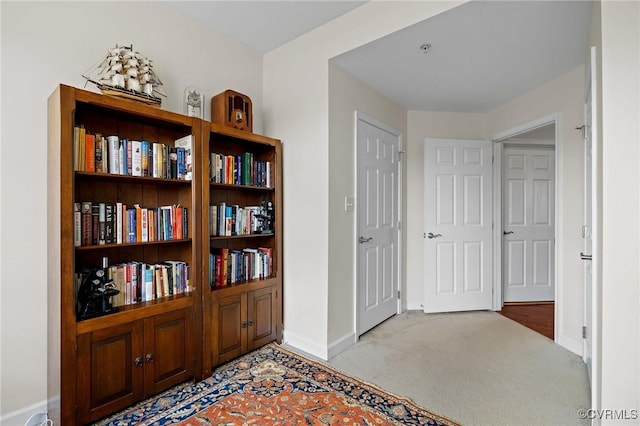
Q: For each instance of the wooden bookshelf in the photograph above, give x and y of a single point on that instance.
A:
(102, 364)
(243, 315)
(99, 365)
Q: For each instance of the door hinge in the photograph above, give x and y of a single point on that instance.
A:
(399, 294)
(400, 152)
(399, 226)
(584, 331)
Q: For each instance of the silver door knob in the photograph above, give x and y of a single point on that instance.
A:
(431, 235)
(362, 240)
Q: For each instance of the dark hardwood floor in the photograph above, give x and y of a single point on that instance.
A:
(538, 316)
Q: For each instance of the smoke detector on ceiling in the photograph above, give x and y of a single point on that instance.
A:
(425, 48)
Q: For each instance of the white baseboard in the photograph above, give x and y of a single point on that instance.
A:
(19, 417)
(415, 306)
(305, 345)
(570, 344)
(342, 344)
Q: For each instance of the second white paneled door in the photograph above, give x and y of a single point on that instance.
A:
(458, 262)
(528, 188)
(377, 180)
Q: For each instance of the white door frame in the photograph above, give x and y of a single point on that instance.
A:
(358, 116)
(498, 138)
(593, 80)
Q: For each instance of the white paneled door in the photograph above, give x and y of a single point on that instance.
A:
(528, 186)
(377, 180)
(458, 262)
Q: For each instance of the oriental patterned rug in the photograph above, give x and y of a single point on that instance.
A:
(274, 386)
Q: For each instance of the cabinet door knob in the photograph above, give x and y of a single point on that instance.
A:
(243, 324)
(149, 357)
(250, 322)
(138, 361)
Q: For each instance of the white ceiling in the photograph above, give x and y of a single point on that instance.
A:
(483, 53)
(264, 25)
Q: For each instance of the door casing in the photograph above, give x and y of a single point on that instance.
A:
(498, 138)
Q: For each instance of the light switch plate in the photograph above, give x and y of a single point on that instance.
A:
(348, 204)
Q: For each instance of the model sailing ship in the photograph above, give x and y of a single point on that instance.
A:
(126, 73)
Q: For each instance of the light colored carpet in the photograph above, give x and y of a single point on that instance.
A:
(476, 368)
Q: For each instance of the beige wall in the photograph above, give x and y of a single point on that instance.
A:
(44, 44)
(347, 95)
(296, 94)
(620, 207)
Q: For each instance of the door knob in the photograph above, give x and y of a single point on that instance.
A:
(138, 361)
(586, 256)
(362, 240)
(149, 358)
(507, 232)
(431, 235)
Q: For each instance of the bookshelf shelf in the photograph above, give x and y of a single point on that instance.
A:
(237, 237)
(124, 245)
(105, 177)
(130, 313)
(224, 186)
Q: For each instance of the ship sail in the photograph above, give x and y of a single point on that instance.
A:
(126, 72)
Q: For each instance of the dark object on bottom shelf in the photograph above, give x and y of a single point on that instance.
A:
(94, 294)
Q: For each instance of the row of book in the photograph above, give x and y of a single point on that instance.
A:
(117, 223)
(122, 156)
(227, 220)
(240, 170)
(141, 282)
(227, 267)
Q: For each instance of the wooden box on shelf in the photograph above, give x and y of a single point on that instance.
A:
(232, 109)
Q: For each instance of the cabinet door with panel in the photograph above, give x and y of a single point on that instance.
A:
(110, 370)
(228, 336)
(169, 354)
(261, 317)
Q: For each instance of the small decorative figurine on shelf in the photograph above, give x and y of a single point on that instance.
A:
(193, 102)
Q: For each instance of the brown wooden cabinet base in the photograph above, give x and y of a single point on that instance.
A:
(242, 322)
(121, 365)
